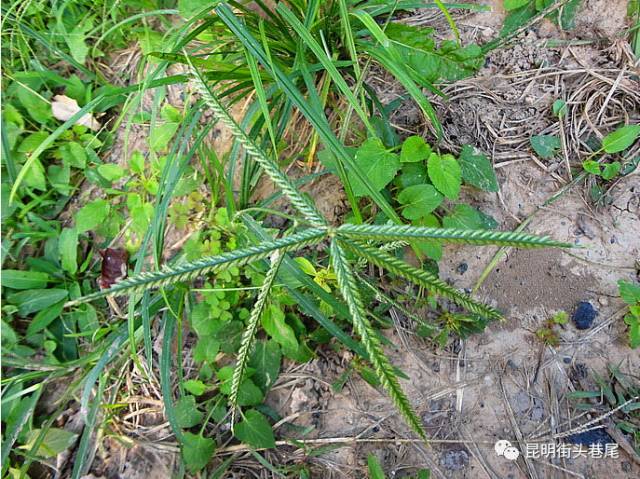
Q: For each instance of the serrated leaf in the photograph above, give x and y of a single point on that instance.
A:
(73, 154)
(196, 451)
(445, 174)
(111, 172)
(68, 250)
(18, 279)
(621, 139)
(592, 167)
(611, 170)
(477, 169)
(629, 292)
(414, 149)
(55, 441)
(545, 146)
(467, 217)
(273, 322)
(377, 164)
(265, 360)
(513, 4)
(195, 387)
(187, 413)
(419, 200)
(35, 300)
(92, 215)
(255, 430)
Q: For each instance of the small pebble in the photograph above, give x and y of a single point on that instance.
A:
(603, 301)
(566, 360)
(462, 268)
(584, 315)
(595, 436)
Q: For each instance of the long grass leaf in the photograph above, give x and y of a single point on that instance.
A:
(317, 50)
(319, 122)
(270, 167)
(393, 62)
(383, 368)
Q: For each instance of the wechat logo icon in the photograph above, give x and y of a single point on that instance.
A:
(505, 449)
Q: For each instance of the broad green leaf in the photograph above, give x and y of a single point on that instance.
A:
(197, 451)
(249, 394)
(32, 141)
(633, 321)
(378, 165)
(545, 146)
(111, 172)
(414, 149)
(445, 174)
(73, 154)
(265, 359)
(374, 467)
(195, 387)
(187, 412)
(559, 108)
(611, 170)
(273, 322)
(161, 135)
(44, 318)
(35, 176)
(201, 320)
(467, 217)
(206, 349)
(305, 265)
(92, 215)
(55, 441)
(18, 279)
(419, 200)
(76, 40)
(477, 170)
(189, 8)
(38, 108)
(68, 250)
(513, 4)
(255, 430)
(412, 174)
(629, 292)
(621, 139)
(592, 167)
(136, 163)
(35, 300)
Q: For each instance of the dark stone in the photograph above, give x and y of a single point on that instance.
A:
(595, 436)
(584, 315)
(462, 268)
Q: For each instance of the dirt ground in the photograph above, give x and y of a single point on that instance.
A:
(502, 384)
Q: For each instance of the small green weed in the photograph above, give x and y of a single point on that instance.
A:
(630, 294)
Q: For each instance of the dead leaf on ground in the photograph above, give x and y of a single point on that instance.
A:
(64, 108)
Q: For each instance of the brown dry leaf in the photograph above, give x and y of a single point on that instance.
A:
(64, 108)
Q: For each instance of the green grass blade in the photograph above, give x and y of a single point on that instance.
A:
(249, 334)
(450, 21)
(262, 100)
(10, 434)
(319, 121)
(81, 465)
(188, 271)
(394, 62)
(321, 55)
(166, 362)
(420, 277)
(383, 368)
(270, 167)
(417, 233)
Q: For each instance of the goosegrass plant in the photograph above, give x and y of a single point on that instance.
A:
(235, 277)
(358, 239)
